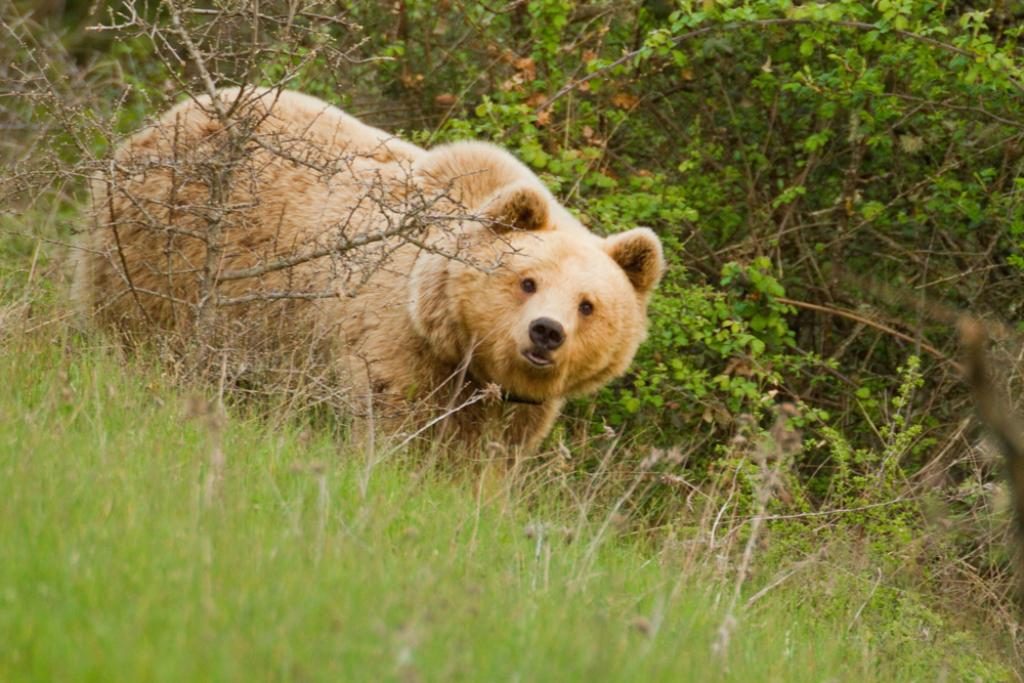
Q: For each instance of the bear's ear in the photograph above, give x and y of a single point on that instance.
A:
(519, 206)
(638, 252)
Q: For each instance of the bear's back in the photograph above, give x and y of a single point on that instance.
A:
(288, 175)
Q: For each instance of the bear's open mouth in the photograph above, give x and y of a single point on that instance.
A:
(538, 358)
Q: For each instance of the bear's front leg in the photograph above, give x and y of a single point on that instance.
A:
(531, 423)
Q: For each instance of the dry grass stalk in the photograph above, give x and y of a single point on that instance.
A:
(994, 411)
(772, 454)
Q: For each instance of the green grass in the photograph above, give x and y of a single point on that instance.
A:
(305, 564)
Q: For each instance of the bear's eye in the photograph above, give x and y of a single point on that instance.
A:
(586, 308)
(529, 285)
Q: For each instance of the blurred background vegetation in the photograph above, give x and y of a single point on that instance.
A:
(834, 184)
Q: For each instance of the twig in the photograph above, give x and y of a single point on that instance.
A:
(476, 398)
(799, 566)
(850, 315)
(860, 610)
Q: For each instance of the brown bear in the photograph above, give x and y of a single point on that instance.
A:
(449, 279)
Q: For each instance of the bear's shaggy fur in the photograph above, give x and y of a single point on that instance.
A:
(424, 277)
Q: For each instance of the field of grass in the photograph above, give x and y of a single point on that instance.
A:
(143, 536)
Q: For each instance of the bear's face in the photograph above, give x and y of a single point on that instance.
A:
(562, 314)
(559, 318)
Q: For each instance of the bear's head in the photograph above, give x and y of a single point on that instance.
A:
(537, 303)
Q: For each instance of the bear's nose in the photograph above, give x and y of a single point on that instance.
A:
(546, 333)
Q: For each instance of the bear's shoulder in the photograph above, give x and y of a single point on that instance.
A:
(474, 171)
